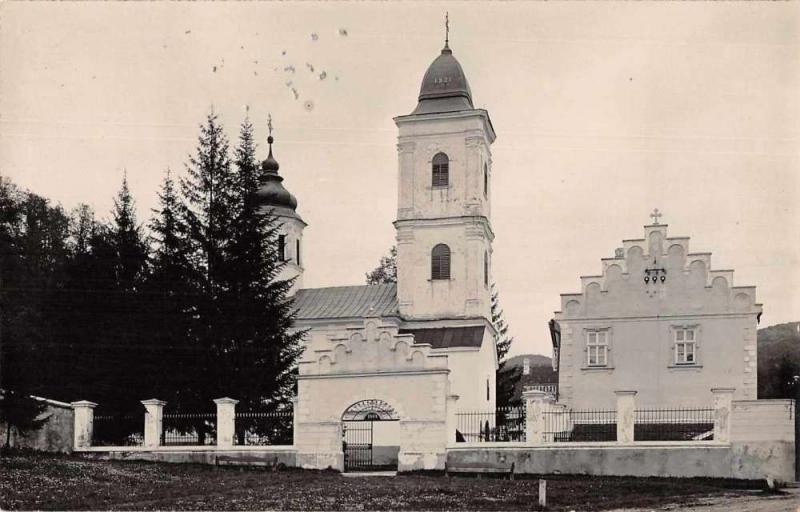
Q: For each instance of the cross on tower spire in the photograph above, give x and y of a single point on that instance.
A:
(446, 29)
(655, 215)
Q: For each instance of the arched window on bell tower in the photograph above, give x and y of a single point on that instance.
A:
(440, 171)
(485, 180)
(440, 262)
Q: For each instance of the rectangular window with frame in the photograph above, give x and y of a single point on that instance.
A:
(282, 247)
(685, 346)
(597, 348)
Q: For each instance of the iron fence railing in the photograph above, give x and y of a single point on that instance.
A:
(189, 429)
(118, 430)
(506, 424)
(264, 428)
(676, 424)
(565, 425)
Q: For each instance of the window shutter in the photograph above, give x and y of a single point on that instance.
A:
(440, 262)
(440, 175)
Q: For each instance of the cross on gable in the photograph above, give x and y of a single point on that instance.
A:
(655, 215)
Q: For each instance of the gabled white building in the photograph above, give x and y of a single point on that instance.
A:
(658, 320)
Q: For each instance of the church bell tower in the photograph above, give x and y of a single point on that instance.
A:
(272, 195)
(444, 233)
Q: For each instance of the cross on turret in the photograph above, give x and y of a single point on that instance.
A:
(656, 214)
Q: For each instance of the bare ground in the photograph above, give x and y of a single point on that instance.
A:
(47, 482)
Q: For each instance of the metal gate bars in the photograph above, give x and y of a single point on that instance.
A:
(357, 445)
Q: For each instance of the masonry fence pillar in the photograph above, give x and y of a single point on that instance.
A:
(626, 411)
(153, 421)
(536, 404)
(83, 423)
(226, 421)
(723, 404)
(295, 416)
(451, 420)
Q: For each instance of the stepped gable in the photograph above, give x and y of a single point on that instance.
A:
(658, 275)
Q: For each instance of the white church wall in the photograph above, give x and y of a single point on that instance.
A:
(418, 398)
(292, 228)
(465, 294)
(471, 370)
(342, 366)
(464, 138)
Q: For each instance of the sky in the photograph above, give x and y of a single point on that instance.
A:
(603, 112)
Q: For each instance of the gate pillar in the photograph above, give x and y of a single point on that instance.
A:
(319, 444)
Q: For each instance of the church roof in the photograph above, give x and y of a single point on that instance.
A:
(447, 337)
(444, 86)
(346, 302)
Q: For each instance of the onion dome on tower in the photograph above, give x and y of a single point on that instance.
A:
(273, 197)
(444, 86)
(272, 193)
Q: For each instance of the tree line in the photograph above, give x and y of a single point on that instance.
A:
(185, 307)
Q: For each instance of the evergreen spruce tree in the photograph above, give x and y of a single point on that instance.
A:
(171, 288)
(242, 316)
(264, 351)
(128, 240)
(506, 378)
(209, 194)
(208, 200)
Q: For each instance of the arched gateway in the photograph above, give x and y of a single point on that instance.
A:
(368, 396)
(370, 436)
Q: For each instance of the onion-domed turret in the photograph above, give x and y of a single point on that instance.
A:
(272, 193)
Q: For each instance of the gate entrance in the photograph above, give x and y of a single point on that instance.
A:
(363, 450)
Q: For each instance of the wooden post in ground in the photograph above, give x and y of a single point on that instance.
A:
(542, 493)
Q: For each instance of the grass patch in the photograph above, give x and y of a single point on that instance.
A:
(52, 482)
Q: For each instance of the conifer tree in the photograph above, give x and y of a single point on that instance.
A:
(172, 289)
(127, 240)
(242, 317)
(506, 378)
(208, 190)
(207, 210)
(264, 350)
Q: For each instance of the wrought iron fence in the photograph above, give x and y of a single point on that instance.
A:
(189, 429)
(565, 425)
(264, 428)
(118, 430)
(677, 424)
(506, 424)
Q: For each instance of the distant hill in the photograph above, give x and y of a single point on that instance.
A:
(778, 359)
(541, 371)
(535, 359)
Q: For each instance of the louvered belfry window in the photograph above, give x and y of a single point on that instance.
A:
(441, 170)
(440, 262)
